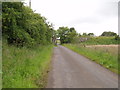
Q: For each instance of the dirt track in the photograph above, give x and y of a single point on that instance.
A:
(71, 70)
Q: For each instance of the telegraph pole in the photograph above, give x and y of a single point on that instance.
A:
(30, 3)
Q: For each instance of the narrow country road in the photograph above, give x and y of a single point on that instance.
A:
(71, 70)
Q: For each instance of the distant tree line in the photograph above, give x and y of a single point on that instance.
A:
(109, 33)
(69, 35)
(22, 27)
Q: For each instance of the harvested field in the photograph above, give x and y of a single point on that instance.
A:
(113, 49)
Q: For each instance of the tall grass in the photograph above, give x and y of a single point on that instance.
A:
(25, 68)
(102, 56)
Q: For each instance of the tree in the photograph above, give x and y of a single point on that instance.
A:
(22, 27)
(72, 34)
(79, 35)
(85, 34)
(109, 33)
(117, 37)
(90, 34)
(66, 34)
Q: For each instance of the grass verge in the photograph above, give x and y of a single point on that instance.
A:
(102, 40)
(106, 59)
(26, 68)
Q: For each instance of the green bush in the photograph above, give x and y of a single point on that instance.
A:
(22, 27)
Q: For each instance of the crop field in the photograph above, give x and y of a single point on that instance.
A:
(105, 55)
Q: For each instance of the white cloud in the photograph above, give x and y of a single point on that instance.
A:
(85, 15)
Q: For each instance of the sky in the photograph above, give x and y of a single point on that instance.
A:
(86, 16)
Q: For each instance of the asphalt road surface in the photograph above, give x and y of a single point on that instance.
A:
(71, 70)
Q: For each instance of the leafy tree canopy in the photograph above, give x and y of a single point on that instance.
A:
(109, 33)
(22, 27)
(66, 34)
